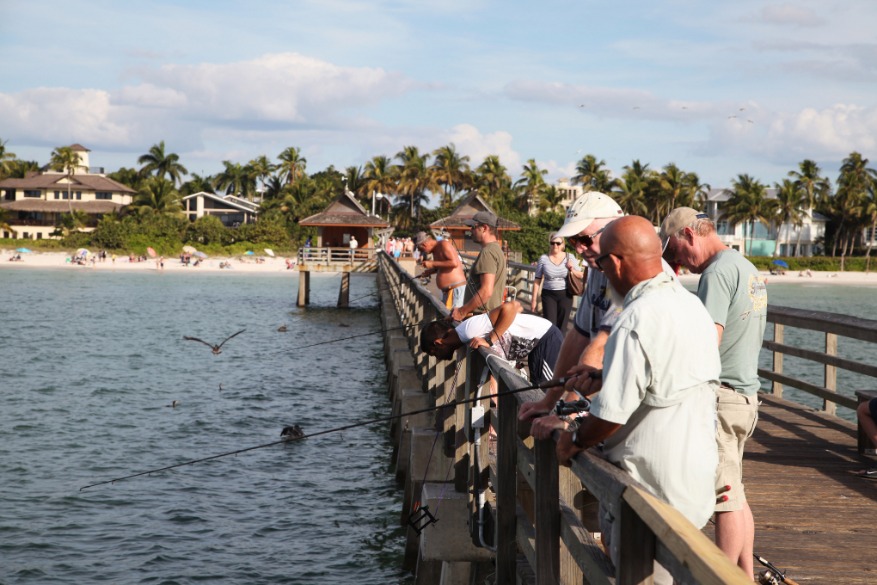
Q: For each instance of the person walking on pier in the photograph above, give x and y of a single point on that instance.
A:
(487, 276)
(512, 334)
(582, 350)
(735, 296)
(446, 265)
(655, 412)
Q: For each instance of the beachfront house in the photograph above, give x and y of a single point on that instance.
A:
(35, 204)
(232, 211)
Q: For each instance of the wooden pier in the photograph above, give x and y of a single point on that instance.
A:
(514, 516)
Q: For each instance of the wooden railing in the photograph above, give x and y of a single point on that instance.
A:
(336, 259)
(540, 517)
(831, 326)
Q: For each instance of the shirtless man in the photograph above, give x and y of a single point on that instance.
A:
(446, 265)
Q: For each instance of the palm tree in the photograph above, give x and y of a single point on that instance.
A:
(414, 177)
(261, 169)
(65, 159)
(6, 160)
(588, 172)
(196, 184)
(790, 204)
(748, 205)
(551, 199)
(235, 179)
(492, 178)
(854, 182)
(869, 211)
(159, 196)
(292, 165)
(380, 176)
(162, 164)
(4, 222)
(451, 172)
(531, 184)
(633, 190)
(816, 188)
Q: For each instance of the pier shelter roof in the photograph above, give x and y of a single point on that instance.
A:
(453, 226)
(344, 211)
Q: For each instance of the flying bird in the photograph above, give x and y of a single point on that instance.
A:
(217, 349)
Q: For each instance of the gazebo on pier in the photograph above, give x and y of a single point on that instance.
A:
(454, 228)
(341, 222)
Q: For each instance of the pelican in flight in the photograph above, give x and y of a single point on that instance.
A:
(217, 349)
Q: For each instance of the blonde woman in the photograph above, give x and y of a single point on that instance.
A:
(550, 279)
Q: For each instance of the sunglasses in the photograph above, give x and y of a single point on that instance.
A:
(556, 243)
(600, 259)
(586, 239)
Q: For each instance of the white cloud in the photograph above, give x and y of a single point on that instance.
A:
(470, 141)
(788, 14)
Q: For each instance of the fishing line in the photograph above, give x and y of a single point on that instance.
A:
(544, 385)
(353, 336)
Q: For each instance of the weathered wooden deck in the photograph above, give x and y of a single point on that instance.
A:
(814, 519)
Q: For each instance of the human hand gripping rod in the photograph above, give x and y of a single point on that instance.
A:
(453, 403)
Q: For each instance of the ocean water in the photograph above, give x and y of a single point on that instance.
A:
(91, 363)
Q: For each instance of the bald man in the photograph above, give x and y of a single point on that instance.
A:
(656, 412)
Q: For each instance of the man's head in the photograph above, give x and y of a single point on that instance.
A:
(689, 239)
(631, 253)
(484, 226)
(585, 221)
(424, 242)
(439, 339)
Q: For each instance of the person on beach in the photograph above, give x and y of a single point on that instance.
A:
(735, 295)
(510, 333)
(446, 265)
(552, 271)
(487, 276)
(582, 351)
(655, 413)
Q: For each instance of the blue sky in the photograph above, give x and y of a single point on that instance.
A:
(719, 88)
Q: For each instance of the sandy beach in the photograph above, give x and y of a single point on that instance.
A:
(60, 260)
(266, 264)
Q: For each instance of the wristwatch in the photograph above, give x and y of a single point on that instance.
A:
(575, 439)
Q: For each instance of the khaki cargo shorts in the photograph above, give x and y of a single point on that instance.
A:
(737, 416)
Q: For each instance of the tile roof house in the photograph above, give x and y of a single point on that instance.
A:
(34, 205)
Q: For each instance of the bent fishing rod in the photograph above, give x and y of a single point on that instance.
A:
(453, 403)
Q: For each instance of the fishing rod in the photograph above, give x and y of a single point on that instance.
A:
(773, 575)
(453, 403)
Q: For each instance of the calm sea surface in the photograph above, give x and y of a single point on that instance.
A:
(91, 362)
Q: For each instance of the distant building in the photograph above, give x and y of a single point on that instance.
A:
(35, 204)
(232, 211)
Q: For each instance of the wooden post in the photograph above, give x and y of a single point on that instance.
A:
(636, 548)
(830, 372)
(304, 288)
(778, 336)
(547, 514)
(506, 489)
(344, 291)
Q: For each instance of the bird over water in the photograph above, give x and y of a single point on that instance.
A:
(217, 349)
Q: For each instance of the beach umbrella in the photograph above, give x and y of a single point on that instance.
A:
(270, 252)
(201, 255)
(781, 263)
(23, 250)
(82, 252)
(151, 252)
(189, 249)
(249, 252)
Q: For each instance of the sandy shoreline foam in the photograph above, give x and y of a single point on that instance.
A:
(278, 265)
(60, 260)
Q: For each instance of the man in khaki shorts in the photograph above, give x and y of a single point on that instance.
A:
(446, 265)
(735, 296)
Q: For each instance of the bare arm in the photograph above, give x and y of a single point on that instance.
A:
(591, 360)
(720, 329)
(534, 300)
(449, 257)
(574, 344)
(480, 298)
(590, 432)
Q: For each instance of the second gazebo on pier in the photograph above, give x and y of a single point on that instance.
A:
(453, 227)
(342, 222)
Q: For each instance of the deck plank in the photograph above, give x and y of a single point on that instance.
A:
(813, 517)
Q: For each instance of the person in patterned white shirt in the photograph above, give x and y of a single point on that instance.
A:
(512, 334)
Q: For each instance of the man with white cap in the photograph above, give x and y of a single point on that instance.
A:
(582, 349)
(487, 276)
(735, 296)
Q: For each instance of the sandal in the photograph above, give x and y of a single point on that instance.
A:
(867, 473)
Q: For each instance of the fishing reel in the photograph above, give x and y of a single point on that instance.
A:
(573, 407)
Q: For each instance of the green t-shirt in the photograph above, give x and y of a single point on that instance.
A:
(491, 260)
(735, 295)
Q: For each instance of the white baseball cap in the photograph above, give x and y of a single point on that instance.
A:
(590, 206)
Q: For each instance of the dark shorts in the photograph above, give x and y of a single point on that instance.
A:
(872, 406)
(542, 357)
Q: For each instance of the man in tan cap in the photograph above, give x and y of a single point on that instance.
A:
(445, 264)
(735, 296)
(487, 276)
